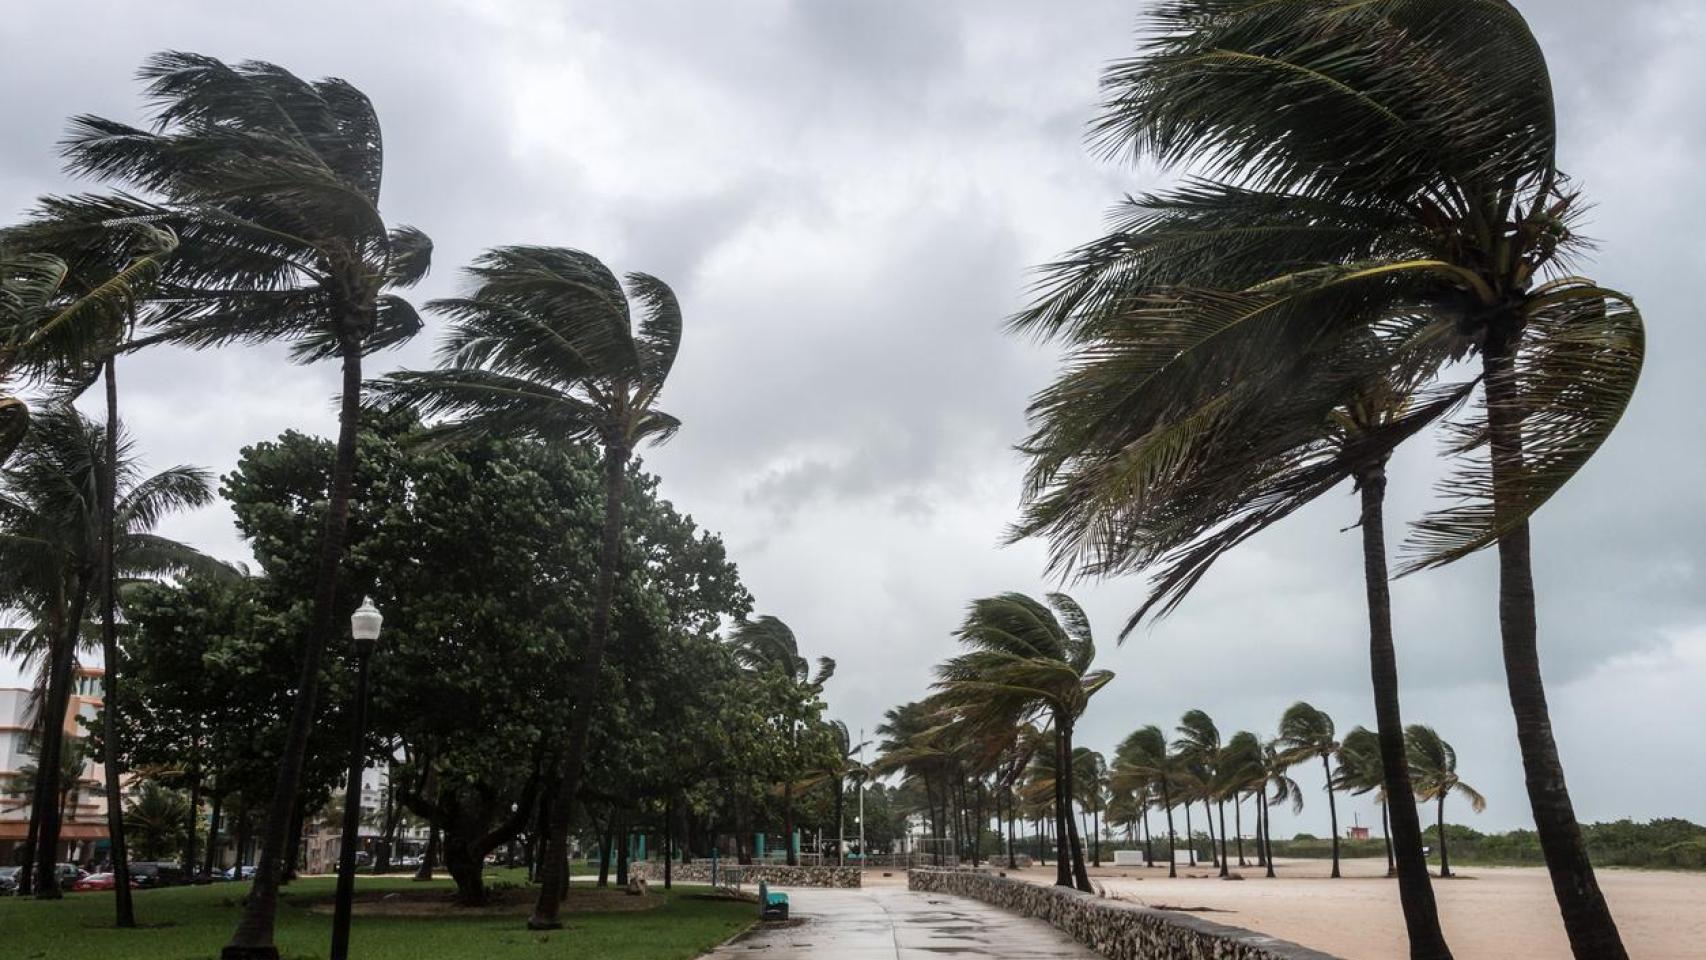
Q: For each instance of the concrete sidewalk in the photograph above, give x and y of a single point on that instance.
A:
(891, 923)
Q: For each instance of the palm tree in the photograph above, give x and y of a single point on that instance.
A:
(51, 525)
(1027, 660)
(1090, 789)
(1349, 197)
(1239, 769)
(1143, 757)
(1361, 771)
(272, 183)
(1199, 743)
(74, 756)
(545, 345)
(156, 818)
(1274, 785)
(1306, 734)
(106, 268)
(839, 765)
(1435, 766)
(767, 645)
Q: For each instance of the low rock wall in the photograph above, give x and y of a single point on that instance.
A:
(1119, 931)
(777, 875)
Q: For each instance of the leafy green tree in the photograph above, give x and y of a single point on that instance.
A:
(1434, 763)
(1025, 661)
(767, 646)
(1307, 734)
(272, 183)
(545, 346)
(1345, 195)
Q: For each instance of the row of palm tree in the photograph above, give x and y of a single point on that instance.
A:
(1196, 767)
(256, 194)
(1375, 199)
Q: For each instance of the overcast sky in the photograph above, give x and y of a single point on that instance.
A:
(847, 197)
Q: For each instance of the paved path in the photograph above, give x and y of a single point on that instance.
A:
(891, 923)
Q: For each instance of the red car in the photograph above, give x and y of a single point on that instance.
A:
(98, 881)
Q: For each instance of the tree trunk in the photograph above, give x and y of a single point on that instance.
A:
(1404, 828)
(624, 839)
(1587, 919)
(1238, 826)
(1172, 838)
(1062, 856)
(297, 858)
(1444, 854)
(434, 841)
(1148, 838)
(111, 748)
(1079, 874)
(1268, 836)
(1190, 835)
(51, 757)
(554, 882)
(604, 851)
(1386, 835)
(668, 844)
(1332, 812)
(1225, 868)
(466, 868)
(1213, 848)
(253, 938)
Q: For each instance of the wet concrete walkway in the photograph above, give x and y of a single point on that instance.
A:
(892, 923)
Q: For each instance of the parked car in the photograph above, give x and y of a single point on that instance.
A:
(100, 881)
(247, 872)
(9, 881)
(156, 874)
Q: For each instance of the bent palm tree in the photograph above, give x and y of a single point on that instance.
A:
(1027, 661)
(768, 645)
(272, 184)
(1143, 757)
(1361, 771)
(1306, 734)
(51, 526)
(545, 345)
(1435, 765)
(1383, 168)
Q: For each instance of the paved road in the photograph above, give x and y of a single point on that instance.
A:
(891, 923)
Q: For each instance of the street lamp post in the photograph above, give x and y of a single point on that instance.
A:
(364, 631)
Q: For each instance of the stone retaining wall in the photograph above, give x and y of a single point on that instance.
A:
(1117, 930)
(779, 875)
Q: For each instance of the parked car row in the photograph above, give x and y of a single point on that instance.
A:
(143, 875)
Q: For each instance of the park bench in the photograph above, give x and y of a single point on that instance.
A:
(771, 906)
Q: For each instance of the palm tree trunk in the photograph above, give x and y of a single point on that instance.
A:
(554, 882)
(1444, 855)
(1238, 826)
(1208, 815)
(1062, 815)
(1172, 838)
(1404, 827)
(253, 938)
(1332, 811)
(112, 769)
(1268, 836)
(1079, 874)
(1587, 918)
(1386, 835)
(52, 755)
(1148, 839)
(1225, 868)
(1190, 835)
(430, 854)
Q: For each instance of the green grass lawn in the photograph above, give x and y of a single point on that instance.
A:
(191, 923)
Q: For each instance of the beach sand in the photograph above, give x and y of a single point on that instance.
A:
(1489, 913)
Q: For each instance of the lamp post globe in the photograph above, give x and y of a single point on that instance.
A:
(364, 626)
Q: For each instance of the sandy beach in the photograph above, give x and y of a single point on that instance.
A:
(1489, 913)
